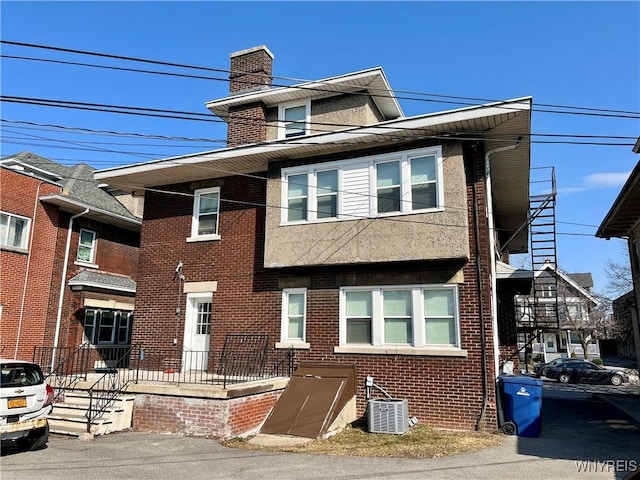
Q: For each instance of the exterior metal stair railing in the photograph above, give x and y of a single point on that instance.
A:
(67, 371)
(105, 391)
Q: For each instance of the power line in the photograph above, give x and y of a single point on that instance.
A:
(580, 110)
(89, 131)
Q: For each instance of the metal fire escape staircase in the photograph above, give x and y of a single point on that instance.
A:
(541, 309)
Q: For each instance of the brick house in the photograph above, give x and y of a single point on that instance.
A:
(69, 255)
(343, 229)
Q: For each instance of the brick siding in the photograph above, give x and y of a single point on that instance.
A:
(444, 392)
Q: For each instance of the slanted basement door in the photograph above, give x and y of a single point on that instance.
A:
(305, 407)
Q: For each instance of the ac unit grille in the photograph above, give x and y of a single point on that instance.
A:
(388, 415)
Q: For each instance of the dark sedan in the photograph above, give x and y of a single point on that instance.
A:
(584, 371)
(541, 368)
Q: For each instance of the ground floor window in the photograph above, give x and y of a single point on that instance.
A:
(414, 315)
(107, 327)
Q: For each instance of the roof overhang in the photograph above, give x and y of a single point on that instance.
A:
(496, 124)
(74, 207)
(372, 80)
(101, 281)
(624, 215)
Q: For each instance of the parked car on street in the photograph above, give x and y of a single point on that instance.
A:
(25, 401)
(584, 371)
(540, 369)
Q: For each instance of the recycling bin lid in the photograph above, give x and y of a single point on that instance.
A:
(521, 380)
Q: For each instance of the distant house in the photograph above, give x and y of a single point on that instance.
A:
(69, 256)
(342, 229)
(623, 221)
(573, 305)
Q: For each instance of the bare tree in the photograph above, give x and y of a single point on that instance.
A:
(619, 275)
(582, 316)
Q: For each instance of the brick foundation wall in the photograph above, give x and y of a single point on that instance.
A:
(442, 391)
(220, 418)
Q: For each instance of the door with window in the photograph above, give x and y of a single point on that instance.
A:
(197, 331)
(550, 343)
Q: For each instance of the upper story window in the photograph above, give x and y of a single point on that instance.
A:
(206, 211)
(293, 119)
(87, 246)
(312, 195)
(14, 230)
(391, 184)
(414, 315)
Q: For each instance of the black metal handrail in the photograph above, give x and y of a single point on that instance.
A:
(137, 364)
(67, 367)
(104, 392)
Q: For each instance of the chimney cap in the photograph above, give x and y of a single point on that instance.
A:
(251, 50)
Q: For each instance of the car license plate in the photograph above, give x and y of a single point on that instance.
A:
(17, 402)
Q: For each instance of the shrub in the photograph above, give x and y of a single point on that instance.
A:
(597, 361)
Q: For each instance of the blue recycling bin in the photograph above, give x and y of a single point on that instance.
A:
(521, 399)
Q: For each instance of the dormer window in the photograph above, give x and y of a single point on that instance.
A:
(293, 119)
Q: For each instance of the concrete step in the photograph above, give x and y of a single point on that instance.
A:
(76, 424)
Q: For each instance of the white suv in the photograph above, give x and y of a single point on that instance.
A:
(25, 401)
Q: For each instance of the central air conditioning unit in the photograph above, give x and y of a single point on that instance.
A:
(388, 415)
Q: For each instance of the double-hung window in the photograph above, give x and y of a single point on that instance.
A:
(294, 317)
(293, 119)
(408, 184)
(418, 316)
(398, 183)
(206, 212)
(14, 230)
(86, 246)
(312, 195)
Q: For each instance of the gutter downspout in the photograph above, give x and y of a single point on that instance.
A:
(62, 286)
(26, 277)
(492, 249)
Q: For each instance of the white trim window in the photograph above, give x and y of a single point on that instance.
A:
(14, 230)
(398, 183)
(408, 316)
(312, 196)
(86, 246)
(293, 119)
(293, 329)
(206, 213)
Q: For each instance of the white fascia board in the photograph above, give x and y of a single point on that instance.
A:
(102, 286)
(422, 121)
(274, 93)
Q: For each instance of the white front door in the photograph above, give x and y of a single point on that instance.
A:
(197, 331)
(550, 343)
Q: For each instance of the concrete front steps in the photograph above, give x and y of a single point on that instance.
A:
(69, 417)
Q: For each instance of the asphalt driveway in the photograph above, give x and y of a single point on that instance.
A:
(578, 434)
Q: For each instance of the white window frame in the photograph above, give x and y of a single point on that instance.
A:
(312, 194)
(92, 253)
(24, 244)
(370, 194)
(195, 218)
(418, 345)
(282, 124)
(285, 341)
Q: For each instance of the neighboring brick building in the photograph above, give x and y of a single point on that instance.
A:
(46, 301)
(344, 229)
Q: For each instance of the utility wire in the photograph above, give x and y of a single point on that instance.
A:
(580, 110)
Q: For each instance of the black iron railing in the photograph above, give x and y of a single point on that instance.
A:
(244, 358)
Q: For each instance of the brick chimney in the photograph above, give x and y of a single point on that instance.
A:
(251, 71)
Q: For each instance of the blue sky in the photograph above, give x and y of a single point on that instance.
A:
(581, 54)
